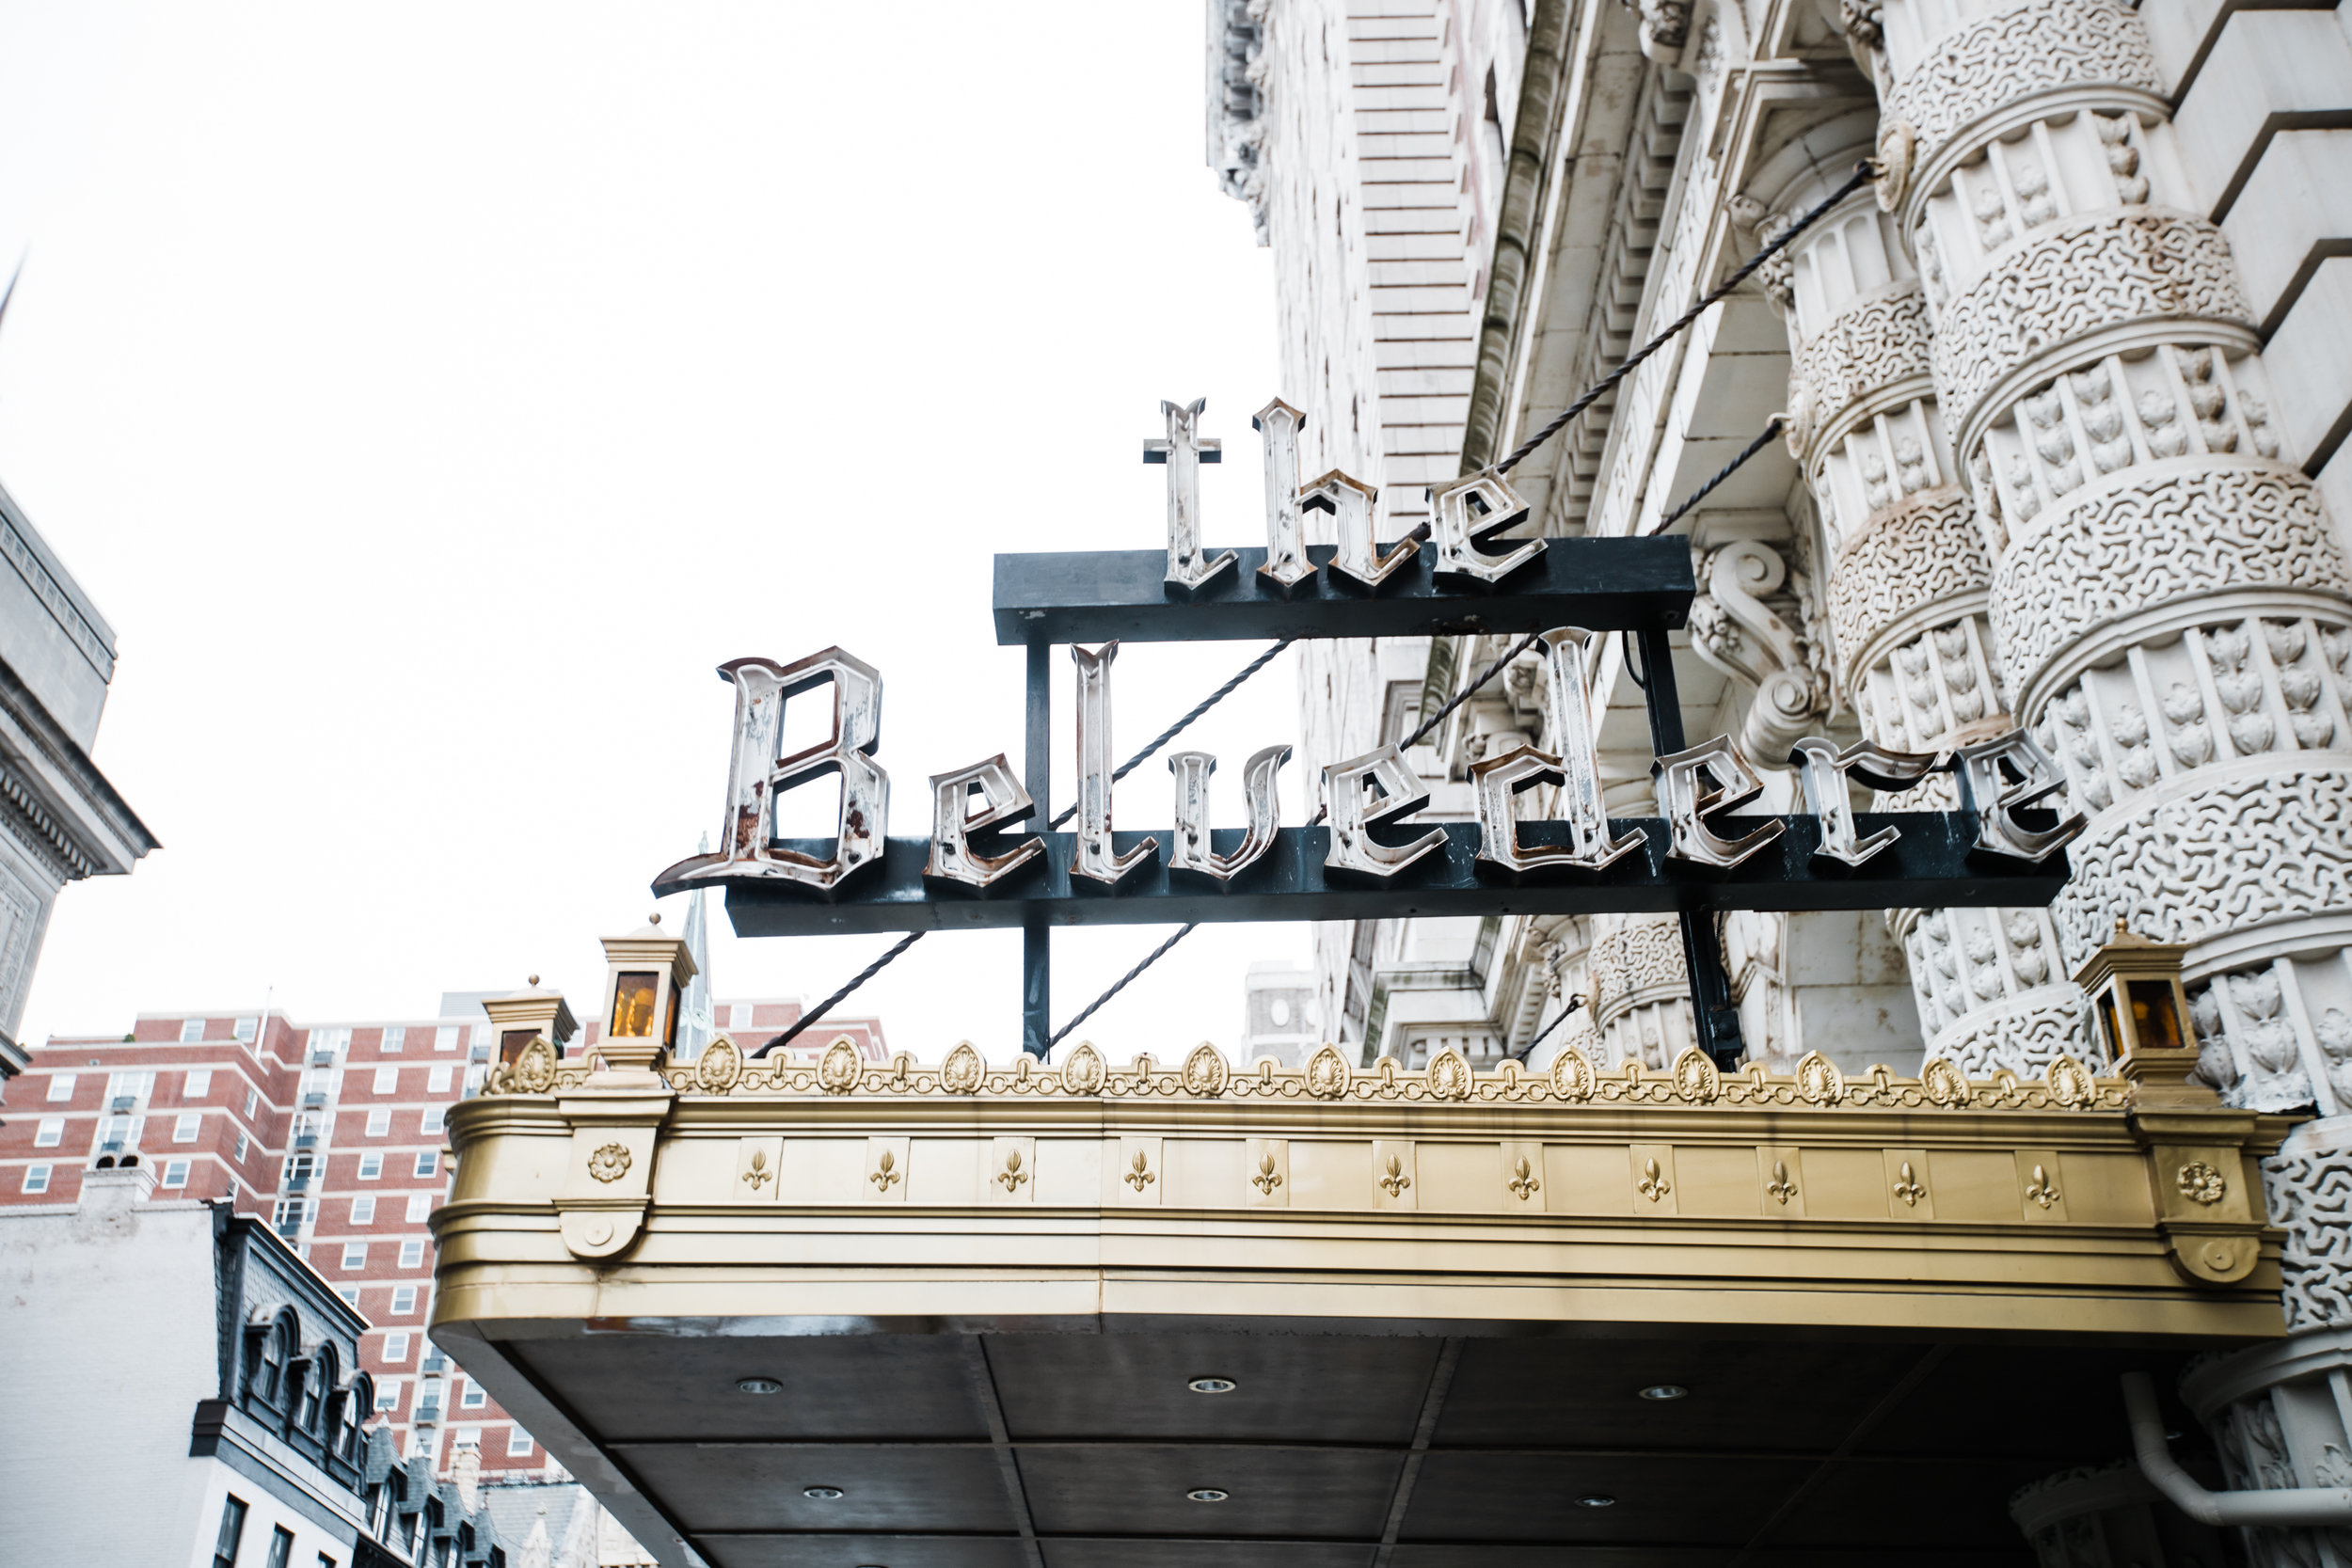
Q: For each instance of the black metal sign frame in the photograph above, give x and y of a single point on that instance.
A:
(1641, 587)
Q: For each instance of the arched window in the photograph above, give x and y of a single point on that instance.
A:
(269, 1377)
(357, 1399)
(310, 1393)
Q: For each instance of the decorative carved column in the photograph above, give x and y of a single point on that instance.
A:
(2171, 614)
(2281, 1416)
(1909, 577)
(1640, 990)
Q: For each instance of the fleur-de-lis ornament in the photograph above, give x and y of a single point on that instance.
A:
(1653, 1185)
(760, 1175)
(1396, 1181)
(1137, 1176)
(1780, 1186)
(1012, 1176)
(1907, 1187)
(1267, 1177)
(2042, 1189)
(1523, 1183)
(885, 1174)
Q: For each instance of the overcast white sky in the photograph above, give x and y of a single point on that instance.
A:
(433, 396)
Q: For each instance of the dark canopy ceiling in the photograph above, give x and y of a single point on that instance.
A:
(1077, 1451)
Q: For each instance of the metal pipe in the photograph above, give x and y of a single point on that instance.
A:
(2292, 1505)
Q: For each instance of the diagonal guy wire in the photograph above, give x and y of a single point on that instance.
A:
(1863, 172)
(836, 1000)
(1120, 984)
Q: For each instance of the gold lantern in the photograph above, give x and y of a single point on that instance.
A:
(647, 973)
(2134, 988)
(527, 1015)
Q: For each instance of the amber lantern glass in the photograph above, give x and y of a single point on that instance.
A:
(636, 994)
(2111, 1027)
(510, 1043)
(2155, 1017)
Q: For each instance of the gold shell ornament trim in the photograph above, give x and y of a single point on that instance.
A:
(2069, 1084)
(1944, 1084)
(611, 1163)
(1449, 1075)
(964, 1070)
(718, 1068)
(1326, 1073)
(1695, 1077)
(837, 1069)
(1572, 1075)
(534, 1069)
(1819, 1080)
(1205, 1071)
(1083, 1070)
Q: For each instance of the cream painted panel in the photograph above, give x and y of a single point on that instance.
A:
(1330, 1174)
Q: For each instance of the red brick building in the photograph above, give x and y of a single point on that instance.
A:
(334, 1131)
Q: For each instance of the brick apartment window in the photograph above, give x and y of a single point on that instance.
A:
(50, 1133)
(396, 1349)
(290, 1211)
(175, 1173)
(370, 1166)
(186, 1126)
(445, 1038)
(474, 1075)
(354, 1255)
(436, 1119)
(280, 1547)
(403, 1300)
(363, 1210)
(438, 1082)
(36, 1179)
(61, 1087)
(232, 1533)
(395, 1037)
(191, 1030)
(518, 1443)
(412, 1254)
(252, 1101)
(739, 1015)
(199, 1084)
(428, 1162)
(248, 1029)
(387, 1393)
(473, 1397)
(419, 1206)
(387, 1080)
(243, 1144)
(379, 1123)
(482, 1033)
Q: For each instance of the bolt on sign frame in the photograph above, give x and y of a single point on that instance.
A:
(1696, 858)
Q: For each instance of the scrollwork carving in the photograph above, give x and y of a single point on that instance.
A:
(2238, 854)
(1920, 553)
(1734, 629)
(2015, 54)
(2169, 536)
(2109, 269)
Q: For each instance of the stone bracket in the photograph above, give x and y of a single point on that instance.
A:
(2203, 1185)
(608, 1184)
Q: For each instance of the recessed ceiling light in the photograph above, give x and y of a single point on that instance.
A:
(823, 1494)
(1210, 1385)
(1664, 1392)
(757, 1386)
(1597, 1499)
(1206, 1495)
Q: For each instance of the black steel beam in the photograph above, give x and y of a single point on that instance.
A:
(1096, 595)
(1930, 867)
